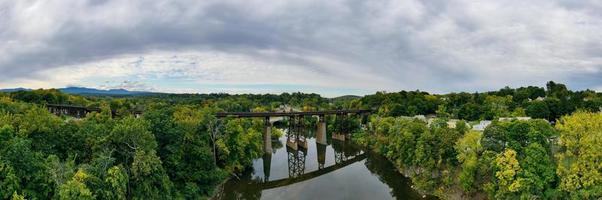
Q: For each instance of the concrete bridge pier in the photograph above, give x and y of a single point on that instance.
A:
(267, 137)
(321, 132)
(341, 135)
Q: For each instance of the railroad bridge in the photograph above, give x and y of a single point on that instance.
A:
(295, 136)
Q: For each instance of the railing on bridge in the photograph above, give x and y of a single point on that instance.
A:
(288, 114)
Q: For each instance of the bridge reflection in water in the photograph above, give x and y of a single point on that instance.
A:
(297, 155)
(344, 154)
(337, 170)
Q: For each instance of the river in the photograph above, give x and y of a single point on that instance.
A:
(340, 170)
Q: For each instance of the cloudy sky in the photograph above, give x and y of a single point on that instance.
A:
(331, 47)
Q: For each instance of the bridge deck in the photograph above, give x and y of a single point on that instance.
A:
(283, 114)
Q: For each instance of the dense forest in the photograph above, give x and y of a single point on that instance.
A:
(549, 103)
(178, 150)
(557, 155)
(509, 160)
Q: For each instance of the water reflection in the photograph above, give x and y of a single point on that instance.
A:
(296, 161)
(321, 151)
(339, 170)
(267, 163)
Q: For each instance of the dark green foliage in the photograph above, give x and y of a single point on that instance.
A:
(494, 138)
(549, 103)
(409, 143)
(538, 109)
(517, 135)
(539, 172)
(166, 154)
(28, 166)
(469, 111)
(52, 96)
(183, 136)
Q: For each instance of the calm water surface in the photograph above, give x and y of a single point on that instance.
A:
(339, 170)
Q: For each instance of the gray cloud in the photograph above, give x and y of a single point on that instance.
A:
(437, 46)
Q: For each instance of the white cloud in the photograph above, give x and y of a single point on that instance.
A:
(437, 46)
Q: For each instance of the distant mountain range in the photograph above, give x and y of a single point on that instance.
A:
(14, 89)
(86, 91)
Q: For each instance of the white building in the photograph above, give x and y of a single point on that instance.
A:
(482, 125)
(452, 123)
(505, 119)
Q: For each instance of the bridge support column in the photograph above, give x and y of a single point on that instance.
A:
(340, 135)
(267, 164)
(321, 132)
(321, 149)
(267, 137)
(291, 141)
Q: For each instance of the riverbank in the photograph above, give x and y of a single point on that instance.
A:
(218, 189)
(436, 179)
(509, 160)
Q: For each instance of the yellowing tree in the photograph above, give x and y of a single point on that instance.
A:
(580, 160)
(76, 188)
(507, 175)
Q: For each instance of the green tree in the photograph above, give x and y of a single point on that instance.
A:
(128, 136)
(240, 144)
(59, 172)
(148, 178)
(116, 182)
(495, 137)
(28, 166)
(497, 106)
(9, 182)
(402, 140)
(517, 135)
(435, 147)
(462, 127)
(538, 173)
(470, 112)
(468, 148)
(76, 188)
(556, 90)
(40, 126)
(538, 109)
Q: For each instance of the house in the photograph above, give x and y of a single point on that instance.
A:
(482, 125)
(506, 119)
(452, 123)
(420, 117)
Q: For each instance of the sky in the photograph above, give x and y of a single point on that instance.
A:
(334, 47)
